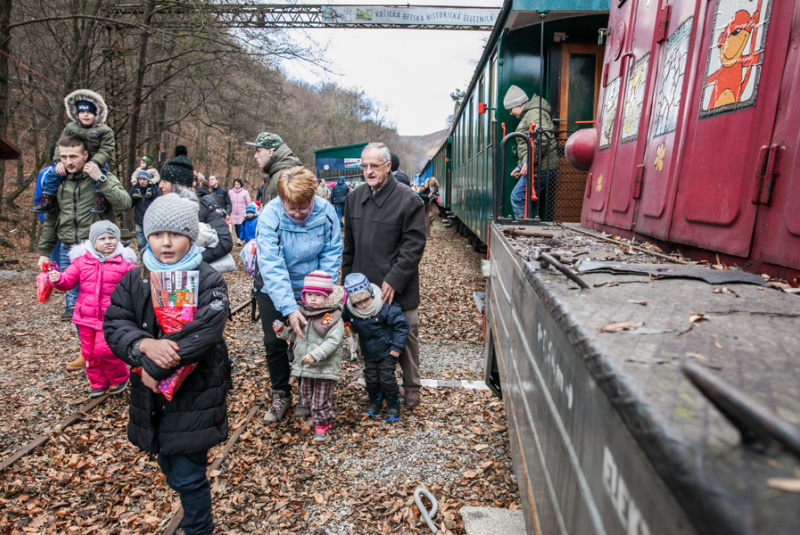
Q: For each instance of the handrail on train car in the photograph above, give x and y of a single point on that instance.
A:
(500, 181)
(759, 427)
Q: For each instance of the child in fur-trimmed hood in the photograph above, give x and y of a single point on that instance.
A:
(87, 112)
(98, 264)
(320, 343)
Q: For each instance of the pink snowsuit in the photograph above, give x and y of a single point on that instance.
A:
(239, 201)
(97, 281)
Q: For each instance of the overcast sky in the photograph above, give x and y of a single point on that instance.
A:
(411, 73)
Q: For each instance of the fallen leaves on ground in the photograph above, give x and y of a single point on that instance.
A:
(89, 479)
(617, 326)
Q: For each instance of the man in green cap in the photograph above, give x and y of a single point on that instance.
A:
(273, 157)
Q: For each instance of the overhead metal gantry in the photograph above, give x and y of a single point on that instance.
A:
(174, 14)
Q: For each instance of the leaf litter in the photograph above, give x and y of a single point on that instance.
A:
(89, 479)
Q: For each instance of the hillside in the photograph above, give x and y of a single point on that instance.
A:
(418, 149)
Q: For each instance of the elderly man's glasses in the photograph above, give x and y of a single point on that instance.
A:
(368, 166)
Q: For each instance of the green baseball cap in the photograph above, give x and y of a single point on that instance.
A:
(265, 140)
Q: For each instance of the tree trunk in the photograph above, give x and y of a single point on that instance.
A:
(136, 101)
(5, 42)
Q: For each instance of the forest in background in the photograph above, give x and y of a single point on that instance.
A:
(169, 77)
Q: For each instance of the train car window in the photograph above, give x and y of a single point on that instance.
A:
(469, 128)
(481, 116)
(492, 94)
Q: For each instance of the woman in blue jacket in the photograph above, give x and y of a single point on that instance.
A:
(297, 233)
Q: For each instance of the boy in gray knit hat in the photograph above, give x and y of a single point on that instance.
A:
(518, 104)
(171, 227)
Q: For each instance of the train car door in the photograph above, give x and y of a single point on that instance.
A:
(777, 191)
(731, 116)
(673, 55)
(636, 78)
(607, 117)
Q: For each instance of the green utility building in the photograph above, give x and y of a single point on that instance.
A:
(334, 162)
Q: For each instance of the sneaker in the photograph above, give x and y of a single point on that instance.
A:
(67, 315)
(310, 421)
(137, 194)
(99, 204)
(48, 204)
(148, 194)
(321, 432)
(77, 364)
(120, 388)
(374, 407)
(280, 404)
(301, 412)
(97, 392)
(394, 413)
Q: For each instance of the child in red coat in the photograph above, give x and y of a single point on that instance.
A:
(98, 264)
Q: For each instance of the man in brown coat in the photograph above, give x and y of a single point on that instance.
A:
(384, 238)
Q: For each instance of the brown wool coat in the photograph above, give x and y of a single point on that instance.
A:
(384, 238)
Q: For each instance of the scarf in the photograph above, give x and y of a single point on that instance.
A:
(188, 263)
(373, 309)
(324, 317)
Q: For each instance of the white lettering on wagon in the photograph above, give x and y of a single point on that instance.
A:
(546, 349)
(626, 508)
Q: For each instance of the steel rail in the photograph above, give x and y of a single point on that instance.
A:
(175, 522)
(634, 247)
(75, 417)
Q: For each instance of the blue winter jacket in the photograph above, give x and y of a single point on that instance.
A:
(37, 196)
(247, 230)
(287, 252)
(384, 332)
(339, 191)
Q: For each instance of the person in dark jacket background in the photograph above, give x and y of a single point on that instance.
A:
(274, 157)
(339, 194)
(180, 431)
(384, 238)
(382, 332)
(177, 176)
(141, 203)
(220, 194)
(399, 175)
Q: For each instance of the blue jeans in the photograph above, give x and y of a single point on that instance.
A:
(518, 194)
(141, 241)
(186, 475)
(72, 295)
(53, 180)
(339, 210)
(55, 254)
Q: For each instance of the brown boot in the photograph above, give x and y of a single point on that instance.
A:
(412, 399)
(77, 364)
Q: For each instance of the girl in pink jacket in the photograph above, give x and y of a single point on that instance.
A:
(98, 264)
(240, 198)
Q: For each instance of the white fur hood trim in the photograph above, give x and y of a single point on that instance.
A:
(77, 251)
(71, 101)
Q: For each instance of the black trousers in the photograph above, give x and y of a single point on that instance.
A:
(379, 376)
(277, 349)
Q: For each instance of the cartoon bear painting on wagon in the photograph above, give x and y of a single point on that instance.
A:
(734, 60)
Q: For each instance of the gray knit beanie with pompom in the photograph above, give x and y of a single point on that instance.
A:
(171, 213)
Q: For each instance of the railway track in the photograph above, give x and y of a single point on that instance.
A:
(77, 416)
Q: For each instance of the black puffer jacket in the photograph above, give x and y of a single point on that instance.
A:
(384, 332)
(211, 213)
(140, 206)
(196, 419)
(221, 195)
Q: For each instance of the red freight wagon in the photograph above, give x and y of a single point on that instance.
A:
(697, 130)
